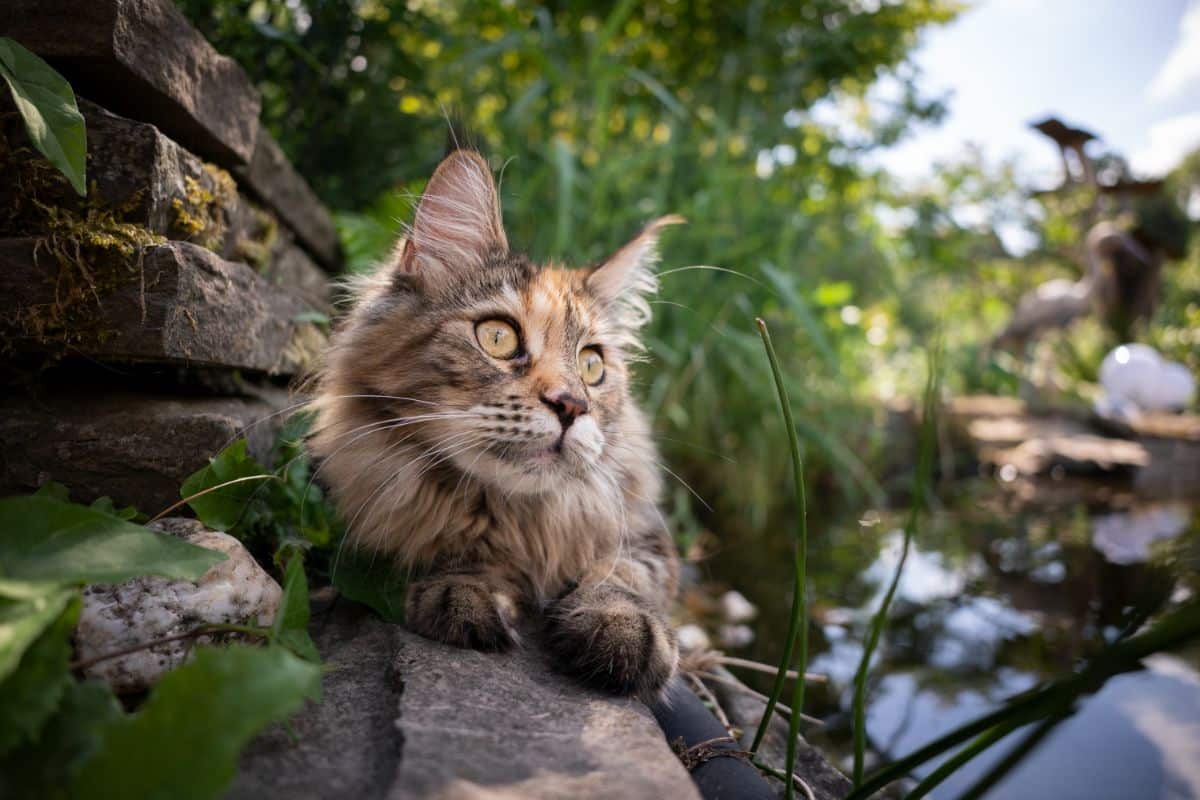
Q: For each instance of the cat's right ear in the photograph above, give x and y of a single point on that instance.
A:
(457, 224)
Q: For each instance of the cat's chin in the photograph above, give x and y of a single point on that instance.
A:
(534, 471)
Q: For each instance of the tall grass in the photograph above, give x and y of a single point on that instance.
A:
(798, 622)
(921, 482)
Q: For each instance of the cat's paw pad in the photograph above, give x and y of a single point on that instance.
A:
(609, 639)
(462, 610)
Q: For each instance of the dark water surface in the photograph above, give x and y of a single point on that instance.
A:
(998, 594)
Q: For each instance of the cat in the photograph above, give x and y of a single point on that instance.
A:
(475, 423)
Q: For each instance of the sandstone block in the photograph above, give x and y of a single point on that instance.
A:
(143, 59)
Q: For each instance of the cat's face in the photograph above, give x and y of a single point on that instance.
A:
(514, 373)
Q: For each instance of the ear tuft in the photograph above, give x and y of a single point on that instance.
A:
(626, 277)
(457, 222)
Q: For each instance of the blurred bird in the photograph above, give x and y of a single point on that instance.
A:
(1121, 282)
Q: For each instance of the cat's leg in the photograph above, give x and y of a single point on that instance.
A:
(612, 629)
(475, 608)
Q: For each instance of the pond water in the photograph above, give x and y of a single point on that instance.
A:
(997, 596)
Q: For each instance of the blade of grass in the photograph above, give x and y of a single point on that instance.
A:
(798, 624)
(1052, 699)
(879, 622)
(1012, 758)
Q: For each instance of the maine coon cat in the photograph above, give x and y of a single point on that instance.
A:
(475, 423)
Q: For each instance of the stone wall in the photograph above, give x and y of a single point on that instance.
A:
(147, 325)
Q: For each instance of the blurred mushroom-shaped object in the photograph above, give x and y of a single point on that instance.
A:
(736, 608)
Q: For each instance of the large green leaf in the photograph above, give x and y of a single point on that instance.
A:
(43, 769)
(184, 742)
(223, 508)
(374, 582)
(29, 696)
(47, 105)
(26, 609)
(43, 539)
(291, 621)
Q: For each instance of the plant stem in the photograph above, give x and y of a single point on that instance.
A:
(203, 630)
(798, 624)
(952, 764)
(203, 492)
(879, 621)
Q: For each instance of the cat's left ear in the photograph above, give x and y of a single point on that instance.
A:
(626, 277)
(457, 223)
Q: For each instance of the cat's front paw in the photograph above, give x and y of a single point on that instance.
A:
(609, 638)
(462, 610)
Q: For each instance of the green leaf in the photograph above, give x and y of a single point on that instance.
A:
(315, 317)
(54, 490)
(29, 696)
(47, 105)
(26, 609)
(43, 768)
(106, 505)
(291, 621)
(42, 539)
(222, 509)
(837, 293)
(374, 582)
(185, 740)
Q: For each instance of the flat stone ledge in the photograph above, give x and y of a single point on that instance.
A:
(143, 59)
(275, 182)
(404, 718)
(174, 303)
(136, 449)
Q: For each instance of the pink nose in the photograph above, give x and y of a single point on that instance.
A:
(565, 405)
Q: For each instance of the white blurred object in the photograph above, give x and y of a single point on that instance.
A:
(1137, 379)
(733, 636)
(736, 608)
(692, 637)
(1125, 537)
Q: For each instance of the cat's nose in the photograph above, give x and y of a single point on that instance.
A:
(565, 405)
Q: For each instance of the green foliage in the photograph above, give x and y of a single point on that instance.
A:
(225, 493)
(374, 582)
(30, 694)
(26, 609)
(291, 622)
(47, 540)
(184, 742)
(46, 103)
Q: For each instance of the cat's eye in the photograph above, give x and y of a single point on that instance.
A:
(497, 338)
(591, 366)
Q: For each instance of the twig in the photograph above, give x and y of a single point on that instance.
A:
(781, 775)
(741, 687)
(203, 492)
(203, 630)
(758, 666)
(706, 694)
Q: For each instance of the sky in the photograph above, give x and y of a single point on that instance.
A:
(1126, 70)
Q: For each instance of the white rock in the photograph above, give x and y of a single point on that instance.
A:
(734, 636)
(118, 616)
(1136, 378)
(736, 608)
(692, 637)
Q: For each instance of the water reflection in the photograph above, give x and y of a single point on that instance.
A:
(995, 599)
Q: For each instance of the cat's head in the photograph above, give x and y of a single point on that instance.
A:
(514, 372)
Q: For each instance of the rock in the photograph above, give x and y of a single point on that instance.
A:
(273, 180)
(139, 176)
(143, 59)
(135, 448)
(404, 717)
(736, 608)
(175, 302)
(123, 615)
(745, 711)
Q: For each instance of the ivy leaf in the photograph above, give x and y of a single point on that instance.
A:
(29, 696)
(47, 105)
(370, 581)
(291, 622)
(184, 742)
(26, 609)
(43, 539)
(107, 505)
(43, 768)
(54, 490)
(222, 509)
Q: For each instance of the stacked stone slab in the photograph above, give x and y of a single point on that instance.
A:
(198, 259)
